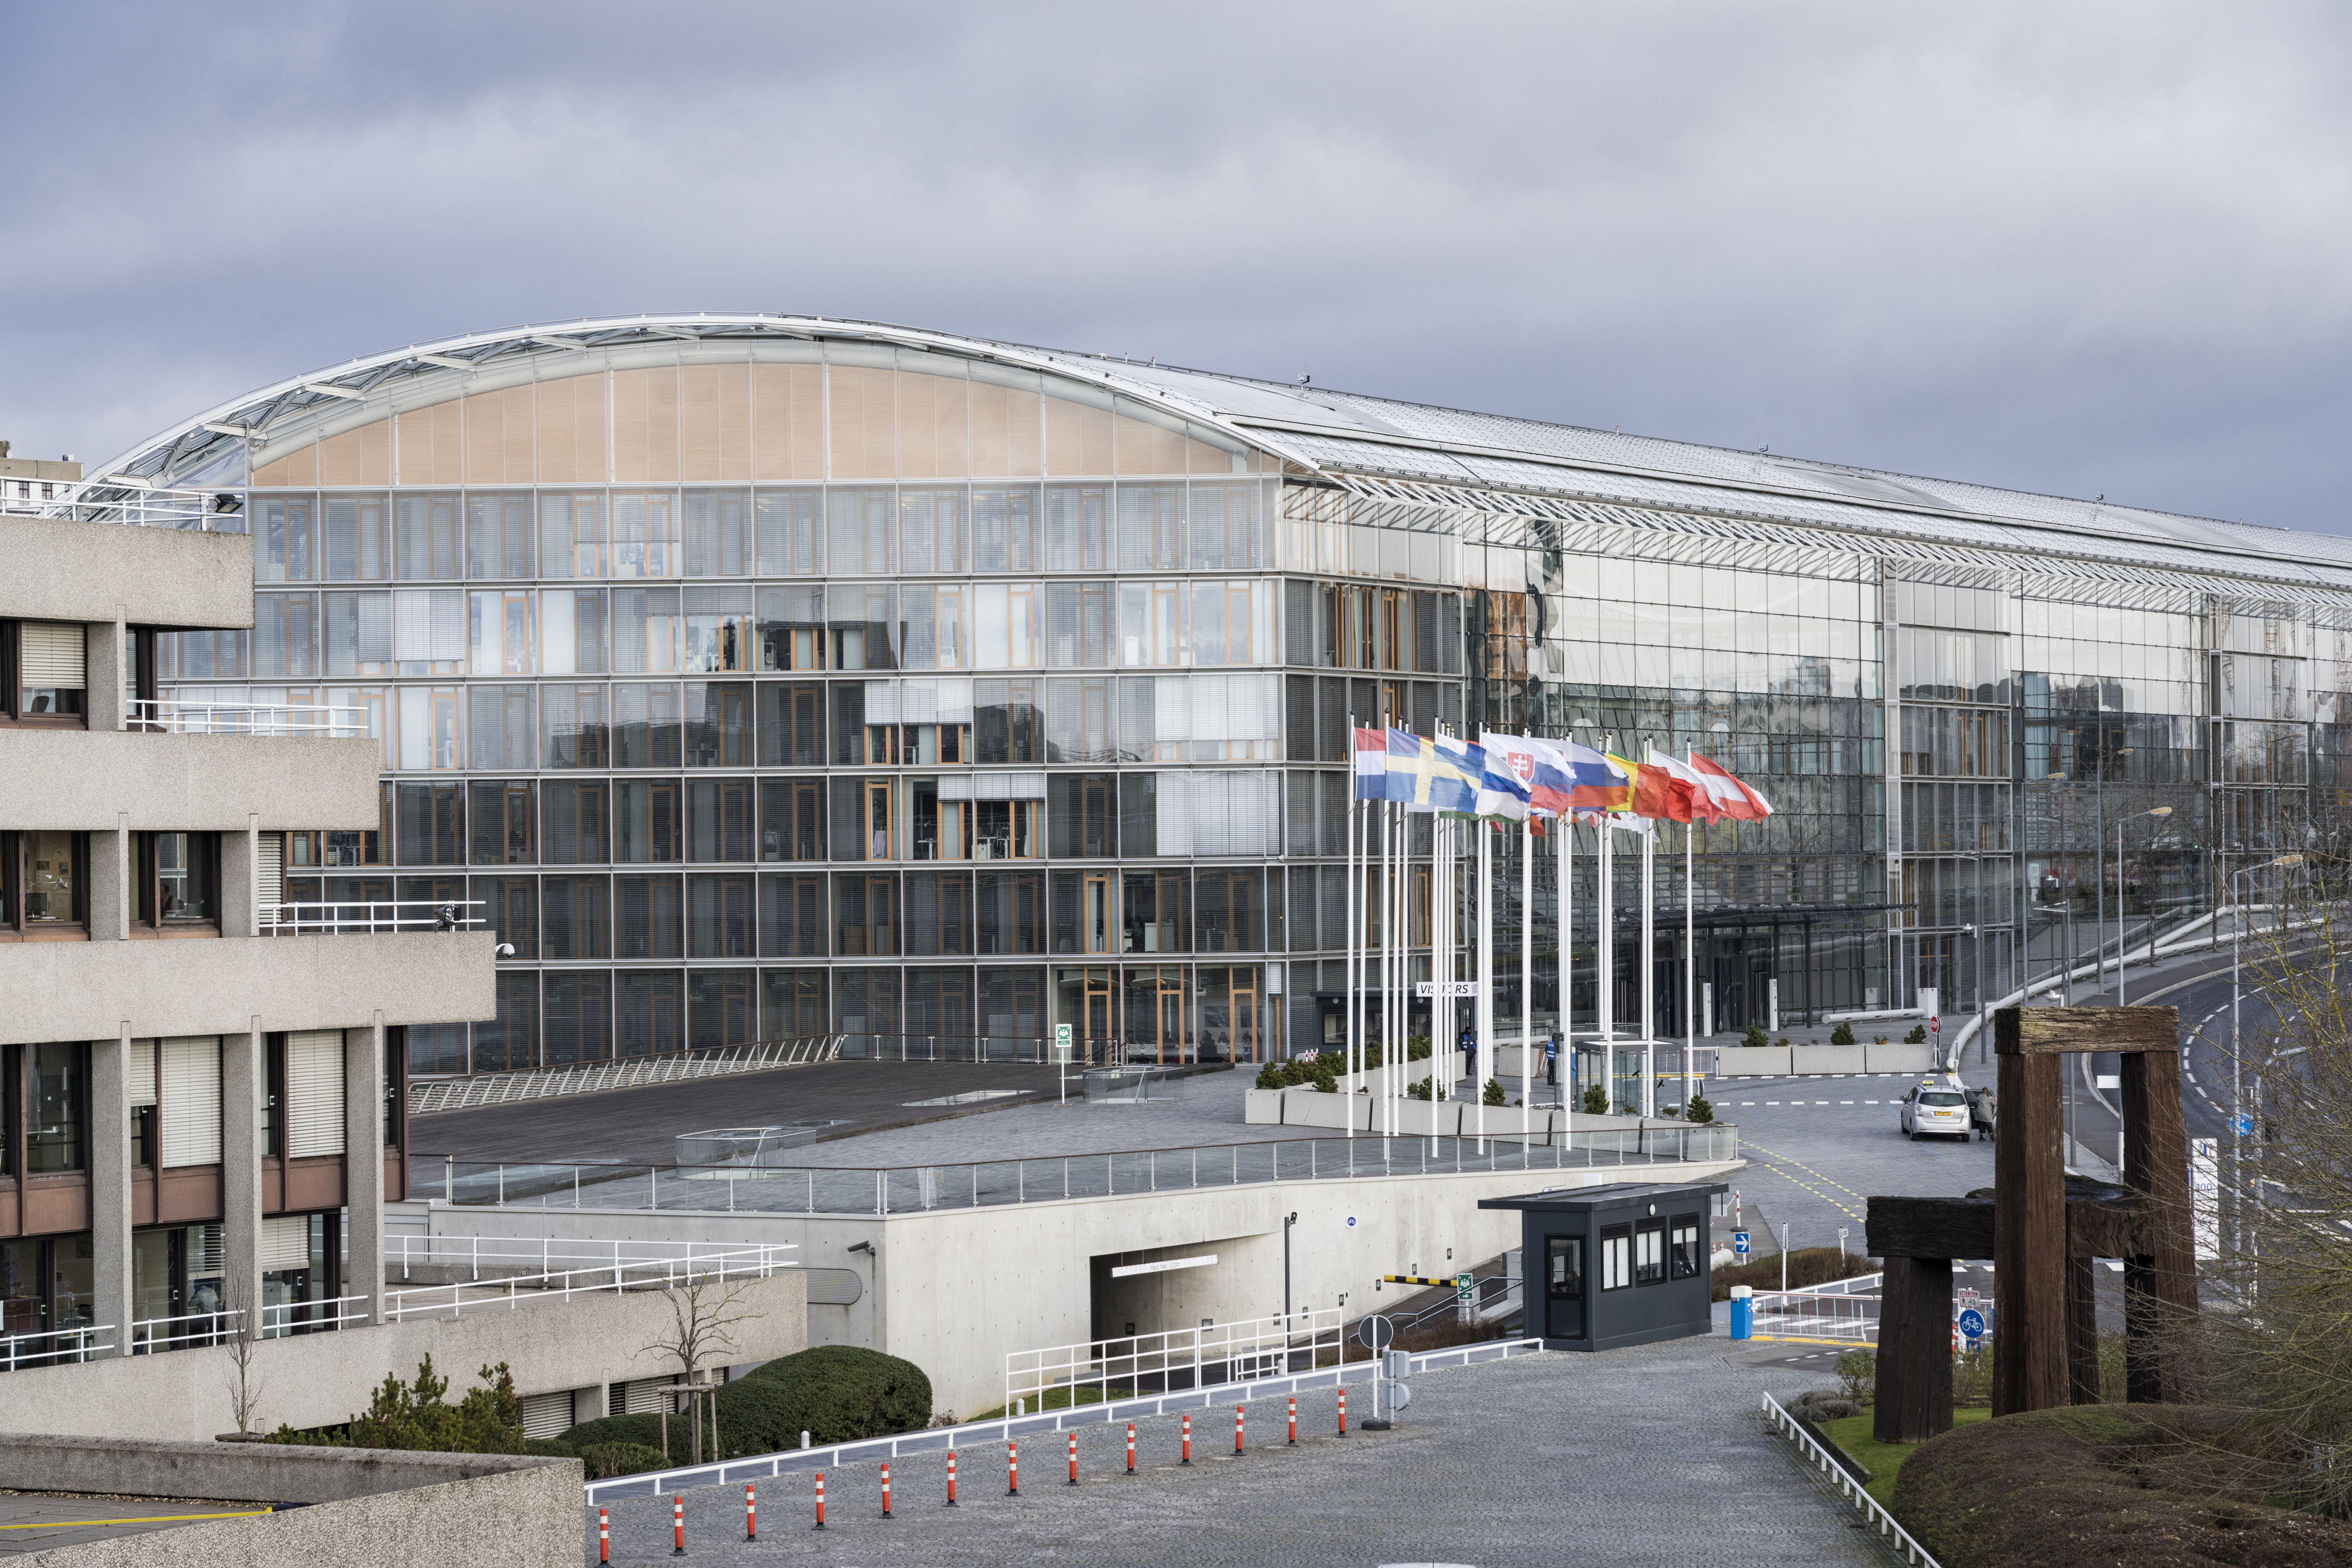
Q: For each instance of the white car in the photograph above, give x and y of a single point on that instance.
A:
(1934, 1110)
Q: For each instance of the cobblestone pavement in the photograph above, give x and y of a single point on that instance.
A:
(1654, 1455)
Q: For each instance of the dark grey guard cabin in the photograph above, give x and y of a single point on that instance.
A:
(1620, 1265)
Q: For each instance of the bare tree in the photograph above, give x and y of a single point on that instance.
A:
(705, 1308)
(242, 1339)
(2276, 1341)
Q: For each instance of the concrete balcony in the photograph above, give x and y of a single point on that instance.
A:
(71, 570)
(99, 780)
(93, 990)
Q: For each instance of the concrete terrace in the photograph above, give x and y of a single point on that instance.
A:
(1654, 1455)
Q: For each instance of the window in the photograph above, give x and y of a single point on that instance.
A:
(432, 823)
(498, 536)
(718, 724)
(1005, 721)
(646, 630)
(43, 672)
(1616, 1257)
(792, 628)
(1005, 529)
(511, 909)
(788, 537)
(862, 621)
(43, 884)
(1649, 1251)
(1683, 1245)
(645, 819)
(575, 918)
(579, 1026)
(648, 917)
(792, 723)
(865, 914)
(718, 916)
(179, 881)
(1077, 625)
(792, 1003)
(791, 820)
(932, 532)
(573, 822)
(648, 1012)
(646, 730)
(645, 536)
(357, 542)
(717, 542)
(1084, 813)
(1012, 913)
(717, 630)
(56, 1106)
(719, 819)
(572, 631)
(499, 630)
(282, 540)
(501, 732)
(504, 825)
(722, 1008)
(425, 531)
(792, 916)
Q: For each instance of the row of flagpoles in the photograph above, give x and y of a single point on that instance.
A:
(1532, 781)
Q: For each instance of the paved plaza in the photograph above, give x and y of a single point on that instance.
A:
(1654, 1455)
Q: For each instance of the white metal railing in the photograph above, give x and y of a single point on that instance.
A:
(172, 716)
(542, 1255)
(1841, 1477)
(51, 1346)
(149, 1335)
(1842, 1317)
(428, 1097)
(1177, 1358)
(606, 1278)
(113, 501)
(280, 1319)
(348, 917)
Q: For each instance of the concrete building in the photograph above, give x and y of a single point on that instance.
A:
(28, 483)
(202, 1106)
(768, 676)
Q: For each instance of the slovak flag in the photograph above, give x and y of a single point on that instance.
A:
(1732, 797)
(1372, 765)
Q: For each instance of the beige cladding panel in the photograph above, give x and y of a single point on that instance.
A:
(77, 780)
(432, 445)
(498, 437)
(1005, 432)
(151, 576)
(645, 425)
(570, 431)
(1145, 447)
(788, 422)
(217, 986)
(715, 421)
(862, 414)
(1078, 437)
(296, 466)
(360, 456)
(934, 427)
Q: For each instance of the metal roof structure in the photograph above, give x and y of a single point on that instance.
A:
(1414, 456)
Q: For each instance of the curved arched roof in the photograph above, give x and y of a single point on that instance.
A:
(1413, 453)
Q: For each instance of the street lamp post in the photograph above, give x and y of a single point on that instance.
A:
(2237, 950)
(2123, 927)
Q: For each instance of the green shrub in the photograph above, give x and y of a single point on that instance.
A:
(1596, 1101)
(413, 1416)
(1755, 1036)
(1493, 1093)
(1416, 1048)
(842, 1394)
(1270, 1075)
(603, 1461)
(1917, 1036)
(1699, 1110)
(1807, 1266)
(1857, 1376)
(1421, 1090)
(1842, 1035)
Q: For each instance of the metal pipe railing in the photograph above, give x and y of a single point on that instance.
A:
(349, 917)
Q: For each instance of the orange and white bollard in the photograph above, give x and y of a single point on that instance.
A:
(1130, 1447)
(951, 1502)
(820, 1499)
(1188, 1436)
(1074, 1458)
(1294, 1422)
(1011, 1469)
(1343, 1413)
(603, 1535)
(750, 1514)
(1237, 1428)
(886, 1488)
(678, 1526)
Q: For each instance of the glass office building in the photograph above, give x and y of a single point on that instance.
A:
(770, 676)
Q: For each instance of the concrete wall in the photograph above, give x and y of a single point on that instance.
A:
(78, 780)
(366, 1506)
(61, 571)
(94, 989)
(317, 1380)
(1781, 1061)
(954, 1290)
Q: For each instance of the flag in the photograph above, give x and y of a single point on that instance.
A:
(1372, 765)
(1734, 798)
(1411, 760)
(1456, 769)
(1693, 802)
(1669, 792)
(1619, 797)
(1531, 763)
(1501, 794)
(1597, 779)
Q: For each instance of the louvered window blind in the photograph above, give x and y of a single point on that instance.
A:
(286, 1242)
(270, 871)
(192, 1100)
(53, 656)
(140, 1069)
(314, 1092)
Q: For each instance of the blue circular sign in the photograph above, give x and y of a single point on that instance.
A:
(1351, 1221)
(1972, 1324)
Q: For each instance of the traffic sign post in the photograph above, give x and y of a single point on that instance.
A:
(1739, 1243)
(1062, 1044)
(1466, 1296)
(1377, 1332)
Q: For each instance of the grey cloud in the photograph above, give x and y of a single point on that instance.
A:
(2094, 249)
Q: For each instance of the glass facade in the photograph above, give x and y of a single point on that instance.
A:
(768, 688)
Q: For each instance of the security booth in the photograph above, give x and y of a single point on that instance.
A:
(1620, 1265)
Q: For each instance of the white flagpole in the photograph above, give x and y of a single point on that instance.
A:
(1392, 1037)
(1567, 958)
(1483, 1012)
(1527, 975)
(1355, 1001)
(1607, 957)
(1690, 969)
(1649, 971)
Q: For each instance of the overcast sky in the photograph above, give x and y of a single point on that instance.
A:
(2084, 248)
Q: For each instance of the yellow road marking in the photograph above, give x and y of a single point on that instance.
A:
(1841, 1206)
(153, 1518)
